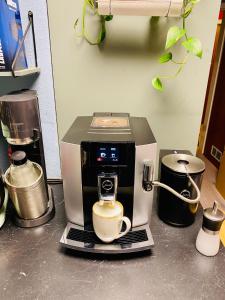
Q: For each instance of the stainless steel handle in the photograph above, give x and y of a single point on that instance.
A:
(147, 176)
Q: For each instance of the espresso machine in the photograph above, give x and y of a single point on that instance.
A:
(21, 127)
(100, 154)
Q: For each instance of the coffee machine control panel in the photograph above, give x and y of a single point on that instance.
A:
(107, 153)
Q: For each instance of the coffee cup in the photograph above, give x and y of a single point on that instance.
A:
(108, 219)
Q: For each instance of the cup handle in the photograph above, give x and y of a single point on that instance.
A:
(128, 226)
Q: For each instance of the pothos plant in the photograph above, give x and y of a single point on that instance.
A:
(89, 4)
(179, 35)
(175, 35)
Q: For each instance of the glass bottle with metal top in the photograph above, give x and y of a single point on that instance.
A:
(22, 171)
(208, 239)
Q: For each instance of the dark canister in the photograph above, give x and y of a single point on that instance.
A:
(174, 169)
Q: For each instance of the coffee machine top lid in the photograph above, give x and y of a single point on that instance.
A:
(183, 163)
(22, 95)
(110, 127)
(110, 120)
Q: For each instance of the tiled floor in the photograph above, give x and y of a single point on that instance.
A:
(209, 192)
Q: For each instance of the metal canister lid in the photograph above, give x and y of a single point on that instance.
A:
(19, 96)
(212, 219)
(19, 158)
(183, 163)
(213, 214)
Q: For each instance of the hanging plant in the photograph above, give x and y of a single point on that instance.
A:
(175, 35)
(179, 35)
(89, 4)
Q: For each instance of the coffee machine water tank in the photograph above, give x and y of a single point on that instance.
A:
(19, 117)
(106, 145)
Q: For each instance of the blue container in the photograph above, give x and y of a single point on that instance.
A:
(11, 35)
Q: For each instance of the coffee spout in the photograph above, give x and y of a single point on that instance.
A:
(107, 186)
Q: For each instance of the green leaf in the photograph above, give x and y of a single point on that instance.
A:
(194, 46)
(90, 3)
(165, 57)
(174, 34)
(108, 18)
(157, 84)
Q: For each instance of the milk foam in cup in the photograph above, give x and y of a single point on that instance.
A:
(108, 219)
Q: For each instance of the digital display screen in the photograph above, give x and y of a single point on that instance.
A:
(107, 154)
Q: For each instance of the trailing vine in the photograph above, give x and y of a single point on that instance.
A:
(84, 34)
(175, 35)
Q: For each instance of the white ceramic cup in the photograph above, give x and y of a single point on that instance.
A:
(107, 221)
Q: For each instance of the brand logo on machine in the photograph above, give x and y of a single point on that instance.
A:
(2, 60)
(107, 185)
(186, 194)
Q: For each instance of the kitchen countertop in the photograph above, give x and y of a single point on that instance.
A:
(34, 266)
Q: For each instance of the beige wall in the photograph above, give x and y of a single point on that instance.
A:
(117, 76)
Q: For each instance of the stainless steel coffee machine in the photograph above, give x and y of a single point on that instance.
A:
(100, 154)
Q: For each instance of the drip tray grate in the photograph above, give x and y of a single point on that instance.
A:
(89, 237)
(77, 238)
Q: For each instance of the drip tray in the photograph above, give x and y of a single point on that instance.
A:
(75, 237)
